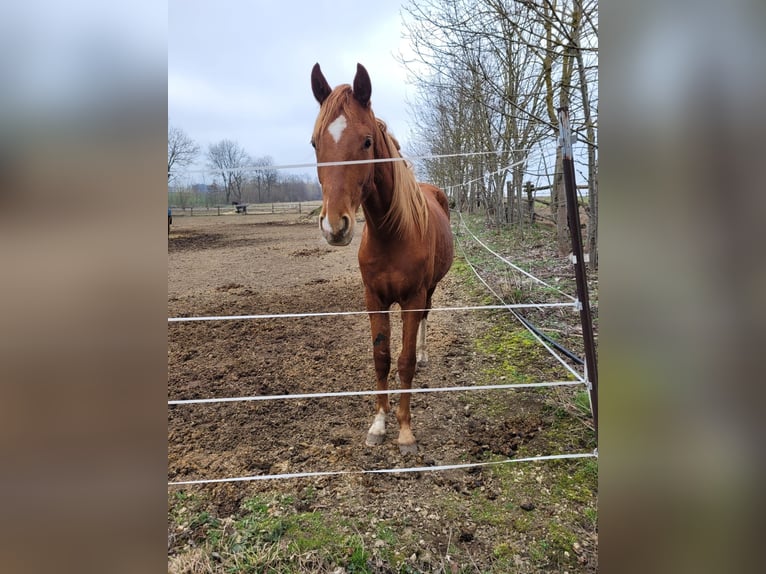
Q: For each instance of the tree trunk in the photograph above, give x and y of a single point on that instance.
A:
(509, 211)
(592, 228)
(517, 175)
(559, 208)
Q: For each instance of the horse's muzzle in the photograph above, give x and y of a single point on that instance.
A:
(339, 234)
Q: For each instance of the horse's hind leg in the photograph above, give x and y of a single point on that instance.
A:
(406, 366)
(380, 326)
(422, 350)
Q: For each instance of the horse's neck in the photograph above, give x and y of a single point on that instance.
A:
(377, 199)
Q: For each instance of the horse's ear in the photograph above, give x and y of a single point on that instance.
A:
(319, 84)
(362, 86)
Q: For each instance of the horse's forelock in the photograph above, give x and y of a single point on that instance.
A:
(335, 104)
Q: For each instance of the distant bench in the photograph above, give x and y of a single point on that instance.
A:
(241, 207)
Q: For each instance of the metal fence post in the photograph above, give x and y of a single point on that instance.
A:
(573, 215)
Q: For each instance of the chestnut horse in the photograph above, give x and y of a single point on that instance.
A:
(406, 245)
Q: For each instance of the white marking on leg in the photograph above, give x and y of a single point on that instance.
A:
(421, 351)
(378, 427)
(336, 127)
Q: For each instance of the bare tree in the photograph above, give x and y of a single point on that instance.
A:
(265, 176)
(484, 83)
(182, 151)
(495, 72)
(229, 159)
(570, 34)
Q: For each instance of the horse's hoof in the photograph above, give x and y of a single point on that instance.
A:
(375, 439)
(422, 363)
(408, 448)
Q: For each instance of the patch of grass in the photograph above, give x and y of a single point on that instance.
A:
(590, 516)
(561, 537)
(385, 533)
(564, 431)
(563, 493)
(523, 523)
(577, 486)
(538, 552)
(269, 536)
(489, 512)
(582, 403)
(555, 550)
(503, 550)
(299, 532)
(359, 557)
(190, 521)
(510, 356)
(564, 512)
(310, 531)
(476, 292)
(514, 351)
(452, 507)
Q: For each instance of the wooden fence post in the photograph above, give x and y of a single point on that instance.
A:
(530, 201)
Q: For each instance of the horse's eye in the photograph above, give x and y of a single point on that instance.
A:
(367, 142)
(313, 144)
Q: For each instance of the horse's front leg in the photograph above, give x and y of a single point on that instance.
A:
(380, 328)
(411, 321)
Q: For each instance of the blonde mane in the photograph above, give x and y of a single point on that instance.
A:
(408, 213)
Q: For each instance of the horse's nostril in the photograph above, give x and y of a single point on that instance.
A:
(346, 223)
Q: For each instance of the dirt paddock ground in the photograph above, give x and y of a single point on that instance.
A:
(233, 265)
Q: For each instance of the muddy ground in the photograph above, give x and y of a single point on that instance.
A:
(232, 265)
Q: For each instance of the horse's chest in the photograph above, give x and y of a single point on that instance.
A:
(394, 279)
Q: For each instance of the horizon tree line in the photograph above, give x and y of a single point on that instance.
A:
(237, 176)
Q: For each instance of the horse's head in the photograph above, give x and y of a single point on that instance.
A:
(344, 131)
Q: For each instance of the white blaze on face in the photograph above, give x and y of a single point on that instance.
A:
(336, 127)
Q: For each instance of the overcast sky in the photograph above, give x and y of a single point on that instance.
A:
(241, 70)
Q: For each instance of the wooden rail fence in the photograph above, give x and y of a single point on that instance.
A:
(299, 207)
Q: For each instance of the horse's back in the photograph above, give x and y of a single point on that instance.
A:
(440, 221)
(438, 194)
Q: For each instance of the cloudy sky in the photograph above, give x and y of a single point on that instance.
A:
(241, 70)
